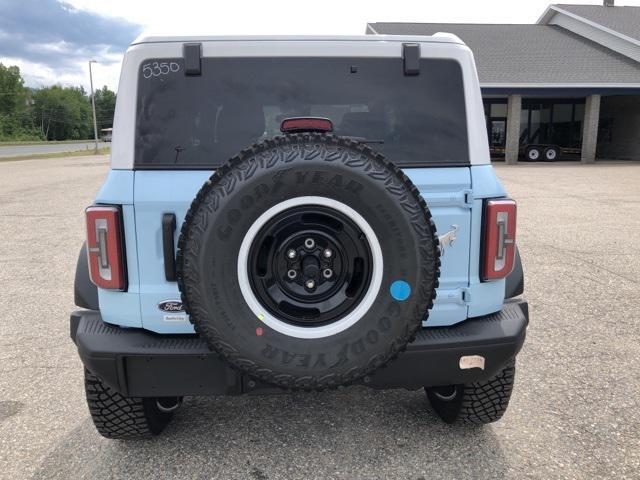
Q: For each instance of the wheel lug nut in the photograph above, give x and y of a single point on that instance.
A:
(327, 273)
(292, 274)
(327, 253)
(310, 284)
(309, 243)
(291, 253)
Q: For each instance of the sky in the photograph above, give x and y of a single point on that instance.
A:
(52, 40)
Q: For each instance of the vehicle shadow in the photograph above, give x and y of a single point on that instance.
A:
(353, 433)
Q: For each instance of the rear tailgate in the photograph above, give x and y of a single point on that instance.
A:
(446, 191)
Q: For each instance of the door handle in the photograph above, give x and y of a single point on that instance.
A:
(168, 246)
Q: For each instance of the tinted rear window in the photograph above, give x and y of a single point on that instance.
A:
(201, 121)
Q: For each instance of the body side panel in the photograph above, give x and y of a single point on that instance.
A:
(484, 297)
(122, 308)
(159, 192)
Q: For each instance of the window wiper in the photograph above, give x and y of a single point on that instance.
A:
(179, 149)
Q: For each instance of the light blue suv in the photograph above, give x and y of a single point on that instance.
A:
(298, 213)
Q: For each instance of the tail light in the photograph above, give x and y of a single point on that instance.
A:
(499, 238)
(105, 247)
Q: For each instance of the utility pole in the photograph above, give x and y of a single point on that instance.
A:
(93, 106)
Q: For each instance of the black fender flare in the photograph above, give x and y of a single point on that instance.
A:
(85, 293)
(514, 284)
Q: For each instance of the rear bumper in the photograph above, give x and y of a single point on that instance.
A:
(140, 363)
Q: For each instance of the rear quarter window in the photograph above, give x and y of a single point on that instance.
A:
(201, 121)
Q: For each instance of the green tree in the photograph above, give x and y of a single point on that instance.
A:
(49, 113)
(15, 114)
(105, 107)
(62, 113)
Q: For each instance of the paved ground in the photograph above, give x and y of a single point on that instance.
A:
(20, 150)
(574, 414)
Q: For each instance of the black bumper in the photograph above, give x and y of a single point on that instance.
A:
(140, 363)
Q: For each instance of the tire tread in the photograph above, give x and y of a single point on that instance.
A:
(486, 402)
(478, 402)
(116, 416)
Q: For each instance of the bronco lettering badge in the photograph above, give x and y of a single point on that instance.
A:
(448, 238)
(171, 306)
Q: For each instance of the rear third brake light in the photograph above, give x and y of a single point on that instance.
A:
(499, 238)
(306, 124)
(105, 248)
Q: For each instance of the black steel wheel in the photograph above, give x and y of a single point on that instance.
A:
(310, 265)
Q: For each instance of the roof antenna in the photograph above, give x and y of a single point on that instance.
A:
(608, 3)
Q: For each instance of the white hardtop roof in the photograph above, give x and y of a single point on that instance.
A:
(436, 38)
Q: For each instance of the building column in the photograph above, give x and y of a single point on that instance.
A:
(590, 129)
(512, 145)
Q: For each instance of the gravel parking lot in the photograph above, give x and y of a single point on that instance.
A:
(575, 412)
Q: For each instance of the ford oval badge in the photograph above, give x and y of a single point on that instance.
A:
(171, 306)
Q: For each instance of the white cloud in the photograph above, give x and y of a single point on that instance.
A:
(256, 17)
(52, 41)
(38, 75)
(308, 17)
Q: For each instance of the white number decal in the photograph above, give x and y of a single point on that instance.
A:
(156, 69)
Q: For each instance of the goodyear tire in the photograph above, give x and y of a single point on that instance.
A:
(126, 418)
(308, 261)
(474, 403)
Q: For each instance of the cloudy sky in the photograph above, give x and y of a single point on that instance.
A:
(51, 40)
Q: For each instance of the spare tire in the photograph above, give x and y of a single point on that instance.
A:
(308, 261)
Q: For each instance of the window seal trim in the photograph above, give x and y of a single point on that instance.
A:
(402, 165)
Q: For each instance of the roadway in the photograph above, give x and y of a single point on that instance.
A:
(41, 148)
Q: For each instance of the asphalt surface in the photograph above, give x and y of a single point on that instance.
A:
(23, 150)
(574, 411)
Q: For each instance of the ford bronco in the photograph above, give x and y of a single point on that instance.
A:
(298, 213)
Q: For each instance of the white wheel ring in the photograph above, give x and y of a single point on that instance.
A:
(551, 154)
(534, 154)
(310, 332)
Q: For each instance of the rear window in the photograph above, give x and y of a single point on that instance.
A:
(201, 121)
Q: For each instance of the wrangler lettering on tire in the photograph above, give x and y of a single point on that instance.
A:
(287, 255)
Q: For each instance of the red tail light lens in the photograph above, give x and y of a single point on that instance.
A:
(306, 124)
(499, 238)
(105, 247)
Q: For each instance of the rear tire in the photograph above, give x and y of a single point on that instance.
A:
(474, 403)
(125, 418)
(551, 154)
(533, 154)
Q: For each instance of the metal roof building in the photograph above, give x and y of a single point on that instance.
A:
(569, 84)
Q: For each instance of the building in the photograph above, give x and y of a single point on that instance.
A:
(106, 134)
(572, 80)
